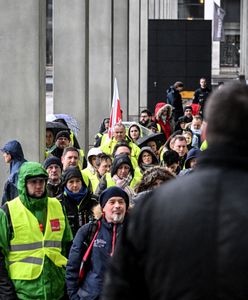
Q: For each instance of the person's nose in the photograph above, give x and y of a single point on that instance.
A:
(38, 185)
(117, 204)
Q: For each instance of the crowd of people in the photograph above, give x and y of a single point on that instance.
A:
(60, 221)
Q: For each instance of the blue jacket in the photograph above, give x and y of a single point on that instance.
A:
(92, 285)
(14, 148)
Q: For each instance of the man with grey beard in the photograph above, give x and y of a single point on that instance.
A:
(103, 234)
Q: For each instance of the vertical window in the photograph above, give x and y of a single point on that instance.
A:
(230, 48)
(49, 32)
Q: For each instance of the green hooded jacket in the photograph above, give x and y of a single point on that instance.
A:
(50, 284)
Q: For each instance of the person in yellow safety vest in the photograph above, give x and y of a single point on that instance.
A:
(120, 136)
(70, 158)
(103, 165)
(90, 171)
(34, 239)
(122, 175)
(102, 135)
(82, 160)
(124, 148)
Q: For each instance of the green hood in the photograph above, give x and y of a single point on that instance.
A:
(27, 170)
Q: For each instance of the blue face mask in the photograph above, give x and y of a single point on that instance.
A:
(163, 118)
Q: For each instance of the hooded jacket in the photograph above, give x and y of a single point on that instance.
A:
(14, 148)
(107, 179)
(174, 98)
(42, 287)
(154, 158)
(90, 170)
(167, 125)
(100, 137)
(119, 160)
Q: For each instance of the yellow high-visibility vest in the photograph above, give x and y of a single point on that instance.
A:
(29, 246)
(92, 176)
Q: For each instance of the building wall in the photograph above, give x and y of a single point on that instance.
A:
(22, 78)
(94, 42)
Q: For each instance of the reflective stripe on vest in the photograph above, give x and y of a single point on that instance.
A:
(29, 246)
(32, 246)
(31, 260)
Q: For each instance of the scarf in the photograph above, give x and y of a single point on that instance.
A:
(145, 167)
(124, 184)
(76, 196)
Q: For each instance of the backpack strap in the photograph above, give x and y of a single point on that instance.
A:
(92, 234)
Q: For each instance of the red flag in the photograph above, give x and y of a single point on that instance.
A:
(115, 116)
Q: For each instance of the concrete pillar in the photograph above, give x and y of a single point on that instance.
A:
(209, 12)
(163, 9)
(94, 42)
(243, 38)
(134, 63)
(22, 77)
(170, 9)
(143, 54)
(70, 64)
(120, 51)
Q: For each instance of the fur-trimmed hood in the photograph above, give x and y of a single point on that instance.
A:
(166, 107)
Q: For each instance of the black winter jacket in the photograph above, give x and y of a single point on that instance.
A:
(195, 245)
(174, 98)
(200, 97)
(78, 214)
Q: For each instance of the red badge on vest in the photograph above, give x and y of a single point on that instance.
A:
(55, 225)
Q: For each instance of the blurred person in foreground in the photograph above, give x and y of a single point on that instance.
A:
(194, 245)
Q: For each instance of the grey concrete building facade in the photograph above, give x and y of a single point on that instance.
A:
(94, 41)
(22, 77)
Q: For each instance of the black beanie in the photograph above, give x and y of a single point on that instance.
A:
(113, 191)
(71, 172)
(52, 160)
(63, 133)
